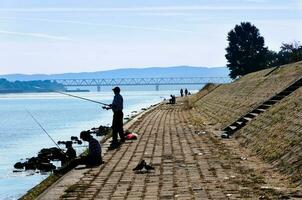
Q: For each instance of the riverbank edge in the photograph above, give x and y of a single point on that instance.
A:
(53, 179)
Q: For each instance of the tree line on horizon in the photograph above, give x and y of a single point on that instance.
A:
(246, 51)
(29, 86)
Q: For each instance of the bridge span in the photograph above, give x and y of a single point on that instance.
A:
(98, 82)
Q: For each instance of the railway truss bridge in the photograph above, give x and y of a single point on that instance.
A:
(99, 82)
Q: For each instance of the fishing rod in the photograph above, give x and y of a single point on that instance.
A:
(98, 102)
(43, 128)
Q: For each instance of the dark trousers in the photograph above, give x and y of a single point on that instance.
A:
(90, 160)
(117, 126)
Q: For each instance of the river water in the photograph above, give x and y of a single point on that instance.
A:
(62, 117)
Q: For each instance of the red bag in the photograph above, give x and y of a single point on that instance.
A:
(131, 136)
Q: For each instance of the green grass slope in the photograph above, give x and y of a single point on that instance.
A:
(275, 135)
(230, 101)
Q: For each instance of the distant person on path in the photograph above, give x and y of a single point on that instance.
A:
(117, 122)
(181, 92)
(172, 100)
(186, 92)
(94, 156)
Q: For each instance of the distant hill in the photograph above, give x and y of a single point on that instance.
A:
(154, 72)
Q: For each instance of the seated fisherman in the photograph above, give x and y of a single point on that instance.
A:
(172, 100)
(94, 156)
(70, 153)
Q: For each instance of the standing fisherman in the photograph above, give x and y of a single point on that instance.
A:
(117, 122)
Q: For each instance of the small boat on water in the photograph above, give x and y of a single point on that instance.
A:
(77, 90)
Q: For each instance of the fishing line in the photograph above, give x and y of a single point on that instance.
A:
(42, 128)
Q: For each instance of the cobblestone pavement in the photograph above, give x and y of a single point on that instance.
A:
(190, 163)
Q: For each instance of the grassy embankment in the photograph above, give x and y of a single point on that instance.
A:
(276, 135)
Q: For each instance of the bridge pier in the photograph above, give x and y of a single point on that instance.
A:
(98, 88)
(157, 87)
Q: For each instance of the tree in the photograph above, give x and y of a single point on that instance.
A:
(246, 52)
(290, 53)
(272, 59)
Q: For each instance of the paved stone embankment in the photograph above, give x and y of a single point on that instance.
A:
(190, 162)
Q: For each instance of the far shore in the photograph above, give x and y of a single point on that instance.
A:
(37, 91)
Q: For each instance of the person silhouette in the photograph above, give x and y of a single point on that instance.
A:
(94, 156)
(186, 92)
(117, 121)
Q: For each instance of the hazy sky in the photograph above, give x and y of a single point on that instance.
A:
(54, 36)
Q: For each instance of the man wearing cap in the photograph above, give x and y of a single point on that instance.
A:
(118, 115)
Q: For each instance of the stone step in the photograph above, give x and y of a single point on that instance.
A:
(285, 93)
(265, 106)
(297, 84)
(240, 123)
(247, 119)
(233, 127)
(230, 129)
(252, 115)
(299, 81)
(237, 124)
(259, 110)
(271, 102)
(293, 88)
(278, 97)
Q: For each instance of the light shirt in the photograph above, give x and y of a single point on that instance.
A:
(117, 103)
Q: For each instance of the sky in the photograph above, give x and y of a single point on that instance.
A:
(58, 36)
